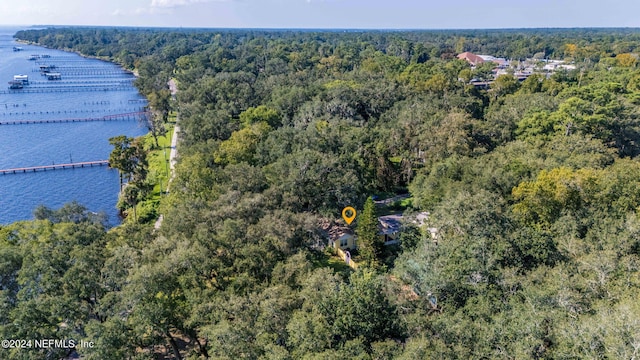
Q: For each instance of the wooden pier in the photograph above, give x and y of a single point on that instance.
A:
(65, 72)
(55, 167)
(142, 115)
(51, 89)
(123, 81)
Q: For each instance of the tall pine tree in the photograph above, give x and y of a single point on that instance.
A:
(370, 244)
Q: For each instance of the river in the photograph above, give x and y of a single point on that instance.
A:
(88, 89)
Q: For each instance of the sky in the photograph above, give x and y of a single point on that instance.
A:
(351, 14)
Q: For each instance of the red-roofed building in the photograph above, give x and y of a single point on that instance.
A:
(471, 58)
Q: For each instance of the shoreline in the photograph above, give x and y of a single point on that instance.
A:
(115, 219)
(90, 57)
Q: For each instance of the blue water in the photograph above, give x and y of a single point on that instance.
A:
(46, 144)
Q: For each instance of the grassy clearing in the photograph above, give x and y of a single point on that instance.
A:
(158, 158)
(396, 207)
(337, 264)
(158, 175)
(325, 259)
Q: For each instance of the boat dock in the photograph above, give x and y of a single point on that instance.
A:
(52, 89)
(122, 117)
(55, 167)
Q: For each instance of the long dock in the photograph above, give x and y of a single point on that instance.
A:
(115, 117)
(87, 72)
(52, 89)
(55, 167)
(123, 81)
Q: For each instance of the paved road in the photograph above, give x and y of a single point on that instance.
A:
(173, 87)
(174, 139)
(173, 154)
(174, 149)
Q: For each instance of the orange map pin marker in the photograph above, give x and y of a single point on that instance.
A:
(349, 214)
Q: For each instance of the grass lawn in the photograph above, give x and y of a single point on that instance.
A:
(396, 207)
(337, 264)
(332, 261)
(158, 159)
(158, 172)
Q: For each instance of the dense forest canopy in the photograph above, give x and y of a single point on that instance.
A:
(533, 187)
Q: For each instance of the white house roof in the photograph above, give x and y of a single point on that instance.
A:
(487, 57)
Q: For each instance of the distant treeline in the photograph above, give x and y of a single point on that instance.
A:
(125, 45)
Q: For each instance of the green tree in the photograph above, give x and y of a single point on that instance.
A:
(370, 243)
(160, 104)
(157, 127)
(129, 157)
(553, 193)
(242, 144)
(484, 71)
(260, 114)
(503, 85)
(532, 85)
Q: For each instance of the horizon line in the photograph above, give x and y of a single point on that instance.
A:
(321, 28)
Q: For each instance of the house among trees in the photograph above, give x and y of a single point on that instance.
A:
(341, 237)
(471, 58)
(389, 227)
(501, 63)
(476, 60)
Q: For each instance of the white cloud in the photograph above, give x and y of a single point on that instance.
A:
(26, 9)
(323, 1)
(176, 3)
(158, 7)
(140, 11)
